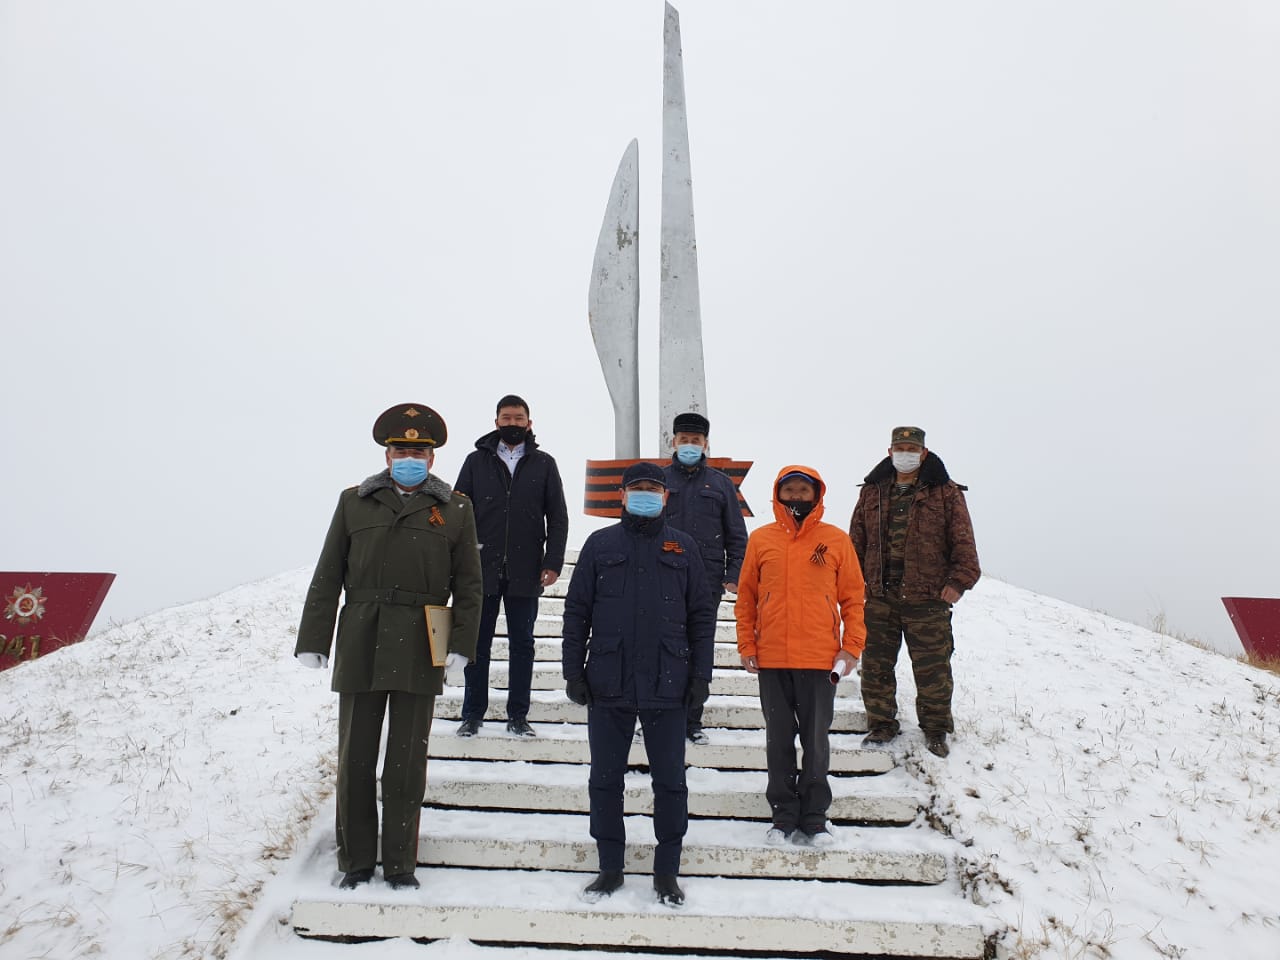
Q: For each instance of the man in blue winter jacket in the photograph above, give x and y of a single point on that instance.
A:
(703, 502)
(639, 633)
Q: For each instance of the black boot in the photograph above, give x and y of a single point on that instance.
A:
(353, 878)
(668, 891)
(603, 885)
(936, 743)
(402, 881)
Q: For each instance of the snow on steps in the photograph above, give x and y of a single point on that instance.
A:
(567, 743)
(500, 804)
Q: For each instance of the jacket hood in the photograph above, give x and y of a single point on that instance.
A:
(781, 513)
(933, 472)
(434, 486)
(490, 441)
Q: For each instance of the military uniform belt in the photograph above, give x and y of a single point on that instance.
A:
(392, 595)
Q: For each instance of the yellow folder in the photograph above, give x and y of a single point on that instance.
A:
(439, 624)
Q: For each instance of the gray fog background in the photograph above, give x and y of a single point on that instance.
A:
(232, 233)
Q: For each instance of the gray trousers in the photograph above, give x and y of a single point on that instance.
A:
(798, 702)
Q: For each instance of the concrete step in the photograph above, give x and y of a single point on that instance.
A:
(546, 650)
(734, 794)
(567, 743)
(737, 713)
(554, 607)
(546, 626)
(715, 848)
(725, 681)
(721, 915)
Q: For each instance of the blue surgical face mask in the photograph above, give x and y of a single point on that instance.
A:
(688, 453)
(408, 471)
(644, 503)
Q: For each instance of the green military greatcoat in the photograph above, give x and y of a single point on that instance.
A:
(392, 555)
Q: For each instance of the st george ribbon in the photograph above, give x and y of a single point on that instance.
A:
(613, 301)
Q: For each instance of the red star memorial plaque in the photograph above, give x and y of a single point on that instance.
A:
(1257, 622)
(40, 612)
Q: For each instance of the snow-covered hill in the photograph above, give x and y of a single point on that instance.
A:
(1117, 791)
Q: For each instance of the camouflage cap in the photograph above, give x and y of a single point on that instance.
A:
(410, 425)
(907, 435)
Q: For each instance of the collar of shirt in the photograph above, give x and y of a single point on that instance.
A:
(510, 455)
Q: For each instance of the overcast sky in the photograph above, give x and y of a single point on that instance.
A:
(1049, 233)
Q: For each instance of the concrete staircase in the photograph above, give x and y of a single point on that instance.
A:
(505, 839)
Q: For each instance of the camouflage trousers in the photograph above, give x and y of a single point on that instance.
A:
(926, 625)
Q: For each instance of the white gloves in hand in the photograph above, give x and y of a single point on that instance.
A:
(316, 661)
(454, 664)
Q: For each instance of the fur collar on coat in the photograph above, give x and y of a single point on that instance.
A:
(933, 472)
(434, 485)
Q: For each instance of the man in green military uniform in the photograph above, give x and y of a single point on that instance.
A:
(912, 533)
(399, 541)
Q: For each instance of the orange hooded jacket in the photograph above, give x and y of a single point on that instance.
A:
(797, 586)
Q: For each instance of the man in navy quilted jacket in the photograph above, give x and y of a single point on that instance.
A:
(639, 634)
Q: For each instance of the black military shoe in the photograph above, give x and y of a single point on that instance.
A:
(880, 733)
(602, 886)
(520, 728)
(698, 735)
(936, 743)
(402, 881)
(353, 878)
(668, 891)
(468, 728)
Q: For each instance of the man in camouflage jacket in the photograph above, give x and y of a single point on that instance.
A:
(913, 536)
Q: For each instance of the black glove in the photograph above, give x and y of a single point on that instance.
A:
(695, 695)
(578, 692)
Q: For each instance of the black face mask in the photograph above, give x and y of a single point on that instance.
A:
(800, 508)
(513, 436)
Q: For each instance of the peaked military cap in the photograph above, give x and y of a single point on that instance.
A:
(907, 435)
(408, 425)
(643, 471)
(691, 423)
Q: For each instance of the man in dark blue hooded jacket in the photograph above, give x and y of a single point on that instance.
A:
(639, 634)
(703, 502)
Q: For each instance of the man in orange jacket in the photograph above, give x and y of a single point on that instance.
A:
(800, 582)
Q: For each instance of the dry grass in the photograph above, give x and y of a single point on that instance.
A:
(1270, 664)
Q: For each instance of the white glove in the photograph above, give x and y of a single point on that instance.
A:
(454, 665)
(316, 661)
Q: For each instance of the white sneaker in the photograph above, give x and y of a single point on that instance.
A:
(776, 837)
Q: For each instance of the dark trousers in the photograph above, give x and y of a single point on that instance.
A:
(926, 625)
(693, 720)
(521, 613)
(404, 778)
(609, 731)
(798, 701)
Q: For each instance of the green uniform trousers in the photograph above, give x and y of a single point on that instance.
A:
(404, 778)
(926, 625)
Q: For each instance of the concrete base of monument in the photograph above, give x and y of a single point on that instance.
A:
(604, 480)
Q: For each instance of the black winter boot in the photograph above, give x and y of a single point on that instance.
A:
(353, 878)
(668, 891)
(602, 886)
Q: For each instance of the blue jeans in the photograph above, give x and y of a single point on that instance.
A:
(521, 612)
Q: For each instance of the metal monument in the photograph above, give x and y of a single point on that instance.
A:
(613, 302)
